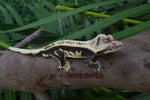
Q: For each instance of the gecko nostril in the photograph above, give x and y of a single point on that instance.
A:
(106, 40)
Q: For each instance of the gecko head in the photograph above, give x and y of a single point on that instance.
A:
(106, 44)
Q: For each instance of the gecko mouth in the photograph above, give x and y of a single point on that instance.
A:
(114, 46)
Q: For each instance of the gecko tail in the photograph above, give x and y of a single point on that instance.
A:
(25, 51)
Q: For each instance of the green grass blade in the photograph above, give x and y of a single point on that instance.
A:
(143, 96)
(4, 37)
(130, 4)
(73, 24)
(57, 16)
(54, 94)
(35, 11)
(9, 95)
(132, 31)
(4, 46)
(29, 96)
(23, 95)
(0, 94)
(144, 17)
(13, 95)
(40, 13)
(50, 5)
(46, 36)
(96, 15)
(6, 96)
(15, 14)
(102, 24)
(16, 36)
(6, 15)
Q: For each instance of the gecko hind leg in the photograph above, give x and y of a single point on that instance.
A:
(63, 61)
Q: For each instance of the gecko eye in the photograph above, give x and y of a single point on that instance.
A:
(106, 40)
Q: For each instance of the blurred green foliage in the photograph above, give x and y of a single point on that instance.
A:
(20, 18)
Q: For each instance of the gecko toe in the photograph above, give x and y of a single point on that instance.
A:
(98, 72)
(72, 68)
(58, 69)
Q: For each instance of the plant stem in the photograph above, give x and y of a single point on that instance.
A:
(4, 46)
(95, 14)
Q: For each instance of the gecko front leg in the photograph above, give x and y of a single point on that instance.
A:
(95, 65)
(61, 58)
